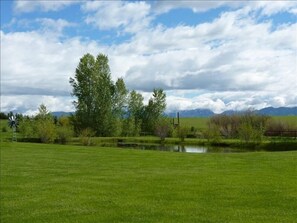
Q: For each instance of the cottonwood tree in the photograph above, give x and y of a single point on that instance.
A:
(154, 110)
(99, 100)
(133, 121)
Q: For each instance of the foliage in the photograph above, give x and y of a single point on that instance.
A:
(153, 112)
(247, 126)
(107, 107)
(212, 134)
(27, 127)
(64, 134)
(4, 129)
(3, 115)
(163, 127)
(86, 136)
(64, 130)
(45, 126)
(134, 116)
(100, 102)
(182, 132)
(281, 127)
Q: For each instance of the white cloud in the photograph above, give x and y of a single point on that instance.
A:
(23, 6)
(129, 16)
(35, 65)
(232, 62)
(267, 8)
(28, 104)
(273, 7)
(54, 26)
(197, 6)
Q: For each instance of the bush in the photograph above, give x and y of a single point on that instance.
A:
(163, 129)
(26, 127)
(4, 129)
(46, 130)
(86, 137)
(64, 134)
(182, 133)
(213, 134)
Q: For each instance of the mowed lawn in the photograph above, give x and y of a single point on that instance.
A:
(56, 183)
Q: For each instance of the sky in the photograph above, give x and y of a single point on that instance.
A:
(218, 55)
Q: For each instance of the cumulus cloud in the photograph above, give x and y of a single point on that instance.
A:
(129, 16)
(249, 56)
(232, 62)
(36, 64)
(23, 6)
(265, 7)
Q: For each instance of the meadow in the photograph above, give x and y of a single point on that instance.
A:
(201, 122)
(66, 183)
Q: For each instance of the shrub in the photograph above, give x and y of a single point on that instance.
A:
(213, 134)
(26, 127)
(4, 129)
(64, 134)
(163, 129)
(46, 130)
(182, 133)
(86, 137)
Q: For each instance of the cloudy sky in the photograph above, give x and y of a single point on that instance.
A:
(219, 55)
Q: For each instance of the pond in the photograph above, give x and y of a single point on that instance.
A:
(182, 148)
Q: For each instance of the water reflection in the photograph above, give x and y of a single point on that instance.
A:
(182, 148)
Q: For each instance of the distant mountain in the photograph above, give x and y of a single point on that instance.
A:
(281, 111)
(61, 113)
(192, 113)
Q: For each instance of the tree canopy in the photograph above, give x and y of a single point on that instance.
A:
(107, 107)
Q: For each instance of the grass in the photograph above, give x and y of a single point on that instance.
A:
(201, 122)
(198, 123)
(54, 183)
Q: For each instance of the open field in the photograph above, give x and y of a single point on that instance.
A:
(54, 183)
(201, 122)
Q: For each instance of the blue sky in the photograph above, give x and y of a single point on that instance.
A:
(219, 55)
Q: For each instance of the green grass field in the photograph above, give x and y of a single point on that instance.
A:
(54, 183)
(201, 123)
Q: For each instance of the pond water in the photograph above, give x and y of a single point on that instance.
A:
(182, 148)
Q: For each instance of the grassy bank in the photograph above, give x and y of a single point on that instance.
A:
(53, 183)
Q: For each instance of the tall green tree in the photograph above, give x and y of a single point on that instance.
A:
(103, 120)
(135, 107)
(154, 110)
(83, 89)
(100, 102)
(119, 105)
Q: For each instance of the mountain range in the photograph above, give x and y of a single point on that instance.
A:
(281, 111)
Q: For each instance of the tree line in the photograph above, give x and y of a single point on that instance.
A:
(102, 108)
(107, 108)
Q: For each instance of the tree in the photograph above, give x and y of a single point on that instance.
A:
(119, 105)
(154, 110)
(44, 125)
(132, 124)
(162, 129)
(83, 89)
(95, 92)
(182, 132)
(26, 127)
